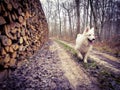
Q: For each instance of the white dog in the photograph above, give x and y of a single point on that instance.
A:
(84, 43)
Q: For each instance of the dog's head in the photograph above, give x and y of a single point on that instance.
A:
(89, 33)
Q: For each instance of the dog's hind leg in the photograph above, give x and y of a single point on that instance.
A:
(86, 55)
(79, 54)
(85, 58)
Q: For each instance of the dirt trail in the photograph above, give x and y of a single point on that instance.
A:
(74, 73)
(50, 69)
(110, 62)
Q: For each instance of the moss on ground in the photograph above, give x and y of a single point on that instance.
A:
(67, 47)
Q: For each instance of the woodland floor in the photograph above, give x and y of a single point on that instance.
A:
(54, 69)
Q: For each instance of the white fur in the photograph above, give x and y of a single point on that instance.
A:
(84, 43)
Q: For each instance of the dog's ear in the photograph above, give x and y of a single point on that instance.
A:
(86, 30)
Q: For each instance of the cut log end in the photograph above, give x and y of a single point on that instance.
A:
(6, 41)
(2, 20)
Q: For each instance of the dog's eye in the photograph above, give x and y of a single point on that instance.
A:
(89, 35)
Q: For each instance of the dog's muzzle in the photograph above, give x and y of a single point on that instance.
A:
(91, 41)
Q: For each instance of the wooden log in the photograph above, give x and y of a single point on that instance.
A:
(18, 35)
(16, 17)
(26, 5)
(6, 65)
(25, 40)
(5, 40)
(24, 23)
(14, 31)
(2, 7)
(6, 1)
(21, 40)
(20, 19)
(3, 52)
(12, 62)
(23, 32)
(5, 14)
(22, 14)
(20, 11)
(14, 37)
(7, 48)
(9, 6)
(2, 20)
(14, 4)
(11, 49)
(21, 48)
(7, 31)
(27, 15)
(7, 58)
(14, 54)
(13, 17)
(17, 25)
(10, 18)
(32, 27)
(15, 47)
(12, 26)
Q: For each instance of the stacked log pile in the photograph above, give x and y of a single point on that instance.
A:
(23, 30)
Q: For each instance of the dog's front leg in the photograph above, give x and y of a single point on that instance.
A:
(80, 56)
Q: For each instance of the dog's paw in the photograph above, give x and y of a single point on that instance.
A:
(80, 56)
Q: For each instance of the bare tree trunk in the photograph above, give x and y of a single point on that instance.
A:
(55, 27)
(59, 17)
(70, 26)
(84, 16)
(65, 33)
(95, 18)
(91, 16)
(87, 12)
(78, 15)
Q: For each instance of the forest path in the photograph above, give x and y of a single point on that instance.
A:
(76, 75)
(106, 60)
(50, 69)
